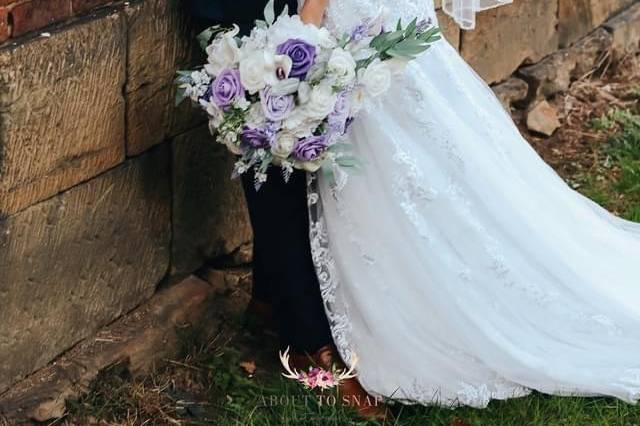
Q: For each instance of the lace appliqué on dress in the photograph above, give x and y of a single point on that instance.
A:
(327, 273)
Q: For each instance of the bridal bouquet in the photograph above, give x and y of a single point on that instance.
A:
(286, 94)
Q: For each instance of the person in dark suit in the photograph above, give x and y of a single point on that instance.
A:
(284, 275)
(283, 271)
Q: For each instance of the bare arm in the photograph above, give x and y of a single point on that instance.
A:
(313, 11)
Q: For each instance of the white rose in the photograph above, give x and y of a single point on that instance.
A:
(252, 69)
(321, 102)
(283, 145)
(222, 53)
(300, 124)
(376, 78)
(342, 65)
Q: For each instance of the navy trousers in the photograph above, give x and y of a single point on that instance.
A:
(283, 270)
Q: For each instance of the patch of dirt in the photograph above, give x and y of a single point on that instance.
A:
(575, 148)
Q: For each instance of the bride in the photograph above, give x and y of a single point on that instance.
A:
(457, 265)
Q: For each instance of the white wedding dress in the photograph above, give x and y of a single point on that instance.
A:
(456, 264)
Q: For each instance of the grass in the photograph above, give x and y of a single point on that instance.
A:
(614, 182)
(208, 386)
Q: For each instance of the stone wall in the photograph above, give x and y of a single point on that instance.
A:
(107, 190)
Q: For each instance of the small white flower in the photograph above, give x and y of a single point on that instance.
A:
(342, 66)
(261, 177)
(283, 145)
(194, 92)
(240, 167)
(242, 103)
(200, 77)
(376, 78)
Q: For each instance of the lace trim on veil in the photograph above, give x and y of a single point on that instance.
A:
(464, 11)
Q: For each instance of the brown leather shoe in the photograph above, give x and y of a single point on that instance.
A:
(350, 390)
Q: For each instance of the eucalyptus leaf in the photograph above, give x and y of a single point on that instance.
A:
(328, 174)
(410, 31)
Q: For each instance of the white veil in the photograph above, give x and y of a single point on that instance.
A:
(464, 11)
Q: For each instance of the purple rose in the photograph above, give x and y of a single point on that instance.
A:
(226, 88)
(310, 148)
(255, 138)
(276, 107)
(337, 119)
(302, 55)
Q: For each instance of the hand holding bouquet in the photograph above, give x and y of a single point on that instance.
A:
(286, 94)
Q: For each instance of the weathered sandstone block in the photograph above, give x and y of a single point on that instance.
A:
(141, 340)
(556, 72)
(61, 111)
(450, 29)
(579, 17)
(511, 91)
(509, 36)
(543, 118)
(625, 30)
(75, 262)
(160, 42)
(209, 212)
